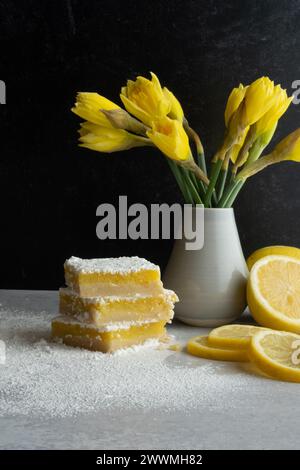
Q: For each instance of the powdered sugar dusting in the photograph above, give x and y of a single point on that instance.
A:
(149, 344)
(44, 378)
(122, 265)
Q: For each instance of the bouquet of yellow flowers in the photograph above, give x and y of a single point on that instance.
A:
(153, 116)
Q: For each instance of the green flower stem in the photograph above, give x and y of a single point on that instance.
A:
(221, 182)
(199, 147)
(236, 185)
(232, 177)
(202, 189)
(216, 168)
(180, 181)
(234, 193)
(201, 162)
(190, 199)
(214, 199)
(222, 202)
(192, 188)
(202, 165)
(198, 184)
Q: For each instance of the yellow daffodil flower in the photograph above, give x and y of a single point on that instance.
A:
(176, 111)
(263, 127)
(259, 98)
(170, 137)
(278, 108)
(145, 99)
(245, 106)
(287, 149)
(235, 98)
(108, 139)
(88, 106)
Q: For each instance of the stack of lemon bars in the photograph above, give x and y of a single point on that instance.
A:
(112, 303)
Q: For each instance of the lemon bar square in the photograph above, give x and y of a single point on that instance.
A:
(102, 310)
(107, 339)
(124, 276)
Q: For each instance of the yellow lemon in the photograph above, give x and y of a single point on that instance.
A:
(277, 353)
(273, 250)
(232, 336)
(273, 292)
(200, 347)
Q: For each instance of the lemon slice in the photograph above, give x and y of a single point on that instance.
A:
(199, 346)
(277, 353)
(232, 336)
(273, 292)
(291, 251)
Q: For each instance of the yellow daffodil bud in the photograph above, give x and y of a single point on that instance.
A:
(278, 108)
(235, 98)
(259, 98)
(262, 131)
(230, 146)
(170, 137)
(145, 99)
(287, 149)
(176, 111)
(108, 139)
(88, 106)
(120, 119)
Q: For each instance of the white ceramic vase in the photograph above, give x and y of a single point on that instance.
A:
(210, 282)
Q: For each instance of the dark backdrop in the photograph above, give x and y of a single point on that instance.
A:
(200, 49)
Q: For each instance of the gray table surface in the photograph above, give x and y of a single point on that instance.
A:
(267, 414)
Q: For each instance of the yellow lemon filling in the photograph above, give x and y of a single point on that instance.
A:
(123, 276)
(120, 336)
(102, 310)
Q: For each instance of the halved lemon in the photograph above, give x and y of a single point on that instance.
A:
(273, 292)
(200, 347)
(232, 336)
(291, 251)
(277, 353)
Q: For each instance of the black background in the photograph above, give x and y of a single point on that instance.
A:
(200, 49)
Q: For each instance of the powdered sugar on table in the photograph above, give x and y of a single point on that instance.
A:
(43, 378)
